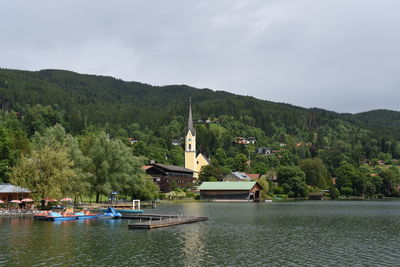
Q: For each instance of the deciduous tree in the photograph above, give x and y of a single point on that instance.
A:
(316, 173)
(46, 172)
(210, 173)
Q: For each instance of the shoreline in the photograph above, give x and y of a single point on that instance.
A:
(177, 201)
(18, 213)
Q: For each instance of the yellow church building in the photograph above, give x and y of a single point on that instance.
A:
(192, 161)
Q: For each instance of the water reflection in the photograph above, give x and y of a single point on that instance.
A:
(275, 234)
(193, 246)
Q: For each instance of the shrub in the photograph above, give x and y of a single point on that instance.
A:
(277, 190)
(346, 191)
(334, 192)
(175, 195)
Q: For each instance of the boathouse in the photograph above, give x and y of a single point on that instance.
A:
(170, 177)
(235, 191)
(10, 192)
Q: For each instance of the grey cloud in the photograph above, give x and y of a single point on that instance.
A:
(334, 54)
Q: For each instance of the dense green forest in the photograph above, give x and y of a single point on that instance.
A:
(309, 146)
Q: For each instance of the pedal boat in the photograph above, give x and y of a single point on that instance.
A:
(54, 216)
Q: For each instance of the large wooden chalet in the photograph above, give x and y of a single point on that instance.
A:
(169, 176)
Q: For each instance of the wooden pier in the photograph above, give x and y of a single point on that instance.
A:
(162, 220)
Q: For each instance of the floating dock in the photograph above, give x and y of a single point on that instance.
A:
(134, 207)
(162, 220)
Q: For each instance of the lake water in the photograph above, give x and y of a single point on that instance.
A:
(306, 233)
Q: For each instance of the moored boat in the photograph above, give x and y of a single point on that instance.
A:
(85, 215)
(111, 213)
(134, 208)
(122, 210)
(54, 216)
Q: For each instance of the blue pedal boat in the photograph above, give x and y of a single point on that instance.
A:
(85, 215)
(111, 213)
(134, 208)
(54, 216)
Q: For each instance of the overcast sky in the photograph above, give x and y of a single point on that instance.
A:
(341, 55)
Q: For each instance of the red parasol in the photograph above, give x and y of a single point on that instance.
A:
(16, 201)
(27, 200)
(1, 201)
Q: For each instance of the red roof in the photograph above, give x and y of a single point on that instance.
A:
(145, 167)
(253, 175)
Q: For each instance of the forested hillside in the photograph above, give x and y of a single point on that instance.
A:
(153, 116)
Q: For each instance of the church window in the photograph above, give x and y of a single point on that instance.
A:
(190, 146)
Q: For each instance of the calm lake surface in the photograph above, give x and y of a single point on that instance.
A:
(308, 233)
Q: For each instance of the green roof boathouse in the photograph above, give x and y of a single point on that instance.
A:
(230, 191)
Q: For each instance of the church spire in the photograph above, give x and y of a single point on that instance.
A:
(190, 121)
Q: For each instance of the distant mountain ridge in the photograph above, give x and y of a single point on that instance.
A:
(379, 116)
